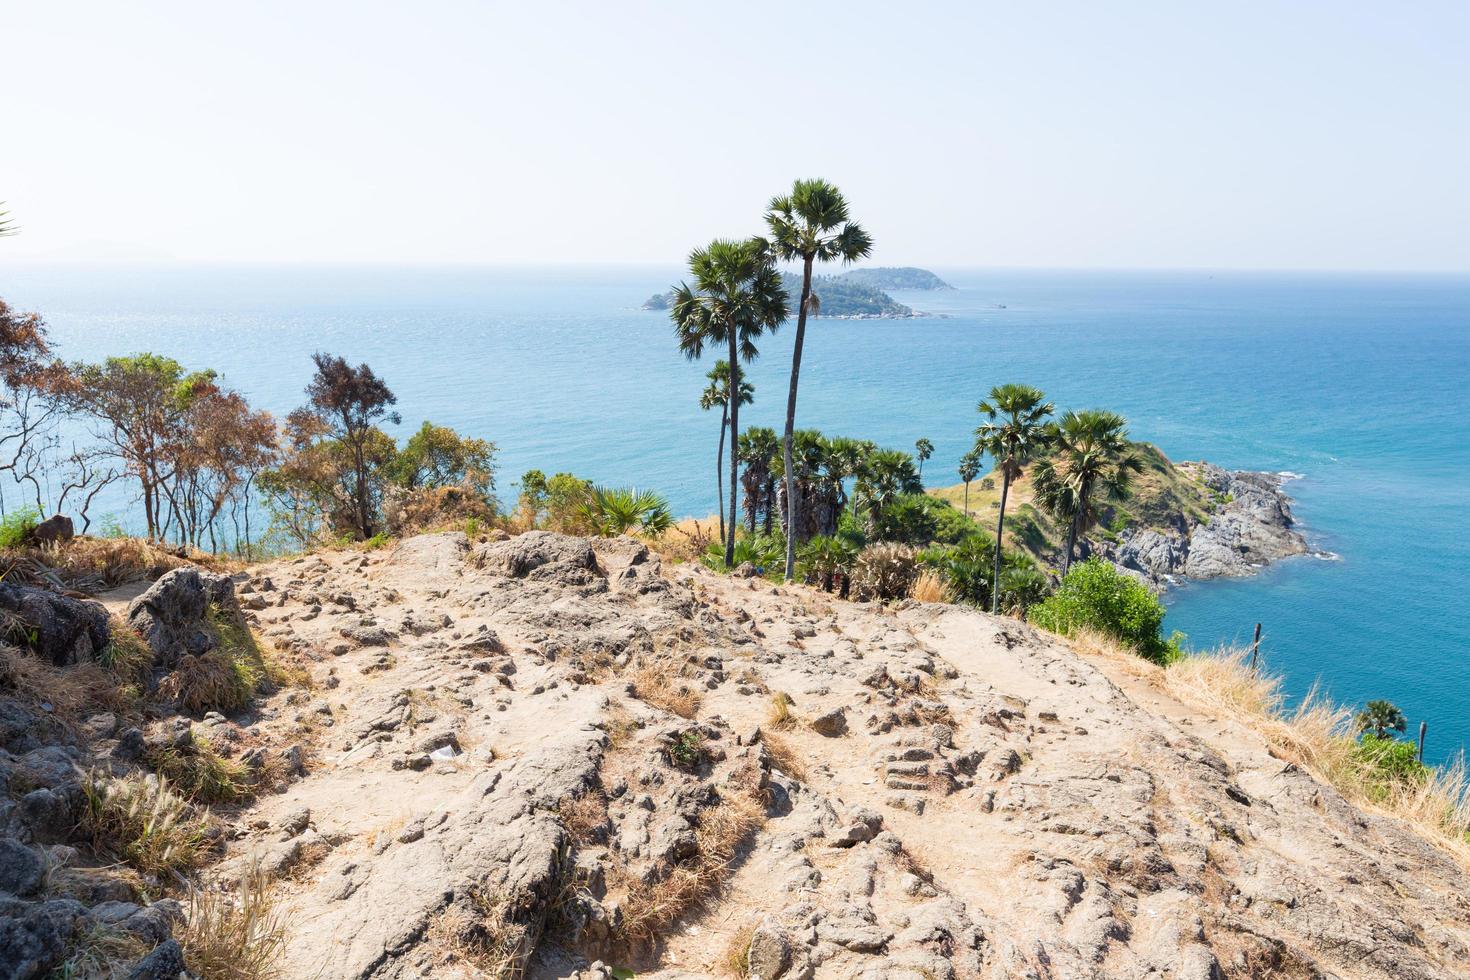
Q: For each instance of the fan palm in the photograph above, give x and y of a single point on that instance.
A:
(923, 449)
(718, 393)
(7, 226)
(809, 225)
(758, 450)
(1015, 431)
(969, 469)
(736, 296)
(1091, 457)
(886, 474)
(1380, 718)
(611, 511)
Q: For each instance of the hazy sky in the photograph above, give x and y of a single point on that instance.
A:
(1241, 134)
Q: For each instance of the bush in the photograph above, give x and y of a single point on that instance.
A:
(827, 562)
(885, 571)
(610, 511)
(16, 526)
(919, 519)
(1096, 596)
(767, 552)
(145, 823)
(1390, 763)
(968, 569)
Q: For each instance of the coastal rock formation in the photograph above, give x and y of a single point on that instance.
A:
(1251, 526)
(564, 754)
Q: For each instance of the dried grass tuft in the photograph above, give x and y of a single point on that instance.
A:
(930, 586)
(144, 822)
(780, 717)
(659, 685)
(236, 935)
(783, 757)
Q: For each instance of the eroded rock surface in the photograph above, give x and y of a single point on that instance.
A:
(500, 773)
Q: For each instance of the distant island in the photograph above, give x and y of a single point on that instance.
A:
(850, 296)
(896, 277)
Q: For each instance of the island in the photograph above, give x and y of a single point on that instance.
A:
(1186, 520)
(896, 277)
(839, 297)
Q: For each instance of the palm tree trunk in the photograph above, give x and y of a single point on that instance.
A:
(734, 451)
(1071, 543)
(719, 466)
(1000, 527)
(967, 498)
(791, 505)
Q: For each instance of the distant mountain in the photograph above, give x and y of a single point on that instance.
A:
(896, 277)
(840, 297)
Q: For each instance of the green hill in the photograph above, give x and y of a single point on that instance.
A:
(895, 277)
(840, 297)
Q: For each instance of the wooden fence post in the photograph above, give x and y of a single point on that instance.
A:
(1255, 648)
(1423, 730)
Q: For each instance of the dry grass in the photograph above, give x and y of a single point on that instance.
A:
(620, 727)
(100, 953)
(780, 717)
(227, 678)
(648, 907)
(145, 823)
(686, 540)
(737, 951)
(1318, 735)
(127, 655)
(92, 564)
(659, 685)
(585, 816)
(235, 936)
(200, 773)
(784, 757)
(74, 693)
(930, 587)
(485, 938)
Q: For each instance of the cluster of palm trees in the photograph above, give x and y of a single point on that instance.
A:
(821, 470)
(735, 295)
(1080, 460)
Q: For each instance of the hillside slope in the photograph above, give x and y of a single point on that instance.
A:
(546, 748)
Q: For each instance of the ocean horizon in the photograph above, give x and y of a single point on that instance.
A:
(1354, 383)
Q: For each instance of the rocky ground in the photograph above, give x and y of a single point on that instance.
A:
(1251, 527)
(564, 755)
(951, 794)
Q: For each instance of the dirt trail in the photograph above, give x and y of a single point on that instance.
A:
(498, 772)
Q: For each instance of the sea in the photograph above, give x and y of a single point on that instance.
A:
(1354, 384)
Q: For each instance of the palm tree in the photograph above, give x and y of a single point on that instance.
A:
(969, 469)
(611, 511)
(923, 449)
(886, 474)
(718, 393)
(757, 452)
(1380, 718)
(1092, 456)
(7, 226)
(1014, 433)
(737, 296)
(810, 225)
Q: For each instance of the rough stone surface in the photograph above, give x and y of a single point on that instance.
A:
(63, 630)
(172, 614)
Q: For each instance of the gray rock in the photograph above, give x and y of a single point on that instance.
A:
(62, 630)
(770, 953)
(166, 962)
(56, 529)
(172, 615)
(830, 723)
(34, 936)
(22, 868)
(542, 555)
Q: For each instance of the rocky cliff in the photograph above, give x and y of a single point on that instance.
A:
(565, 756)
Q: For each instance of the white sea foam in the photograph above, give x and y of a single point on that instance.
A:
(1289, 475)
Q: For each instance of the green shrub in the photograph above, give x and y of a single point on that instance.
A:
(827, 562)
(767, 552)
(919, 519)
(969, 567)
(610, 511)
(1390, 763)
(1096, 596)
(16, 526)
(885, 571)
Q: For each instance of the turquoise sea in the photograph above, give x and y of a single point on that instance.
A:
(1358, 383)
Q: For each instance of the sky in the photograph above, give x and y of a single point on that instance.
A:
(1286, 135)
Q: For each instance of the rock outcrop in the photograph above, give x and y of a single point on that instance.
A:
(562, 754)
(58, 628)
(1251, 527)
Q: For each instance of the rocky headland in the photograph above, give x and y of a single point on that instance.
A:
(558, 756)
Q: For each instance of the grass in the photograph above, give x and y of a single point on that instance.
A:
(235, 936)
(100, 953)
(929, 587)
(780, 716)
(649, 907)
(90, 564)
(227, 678)
(737, 951)
(784, 757)
(483, 936)
(127, 655)
(657, 684)
(145, 823)
(74, 693)
(584, 816)
(16, 526)
(200, 773)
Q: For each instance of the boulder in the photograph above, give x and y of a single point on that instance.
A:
(166, 962)
(769, 954)
(53, 530)
(173, 615)
(541, 555)
(63, 630)
(34, 937)
(22, 869)
(831, 724)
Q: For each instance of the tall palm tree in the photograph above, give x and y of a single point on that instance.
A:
(1091, 457)
(737, 295)
(1380, 718)
(923, 449)
(758, 450)
(969, 469)
(808, 225)
(1015, 431)
(717, 392)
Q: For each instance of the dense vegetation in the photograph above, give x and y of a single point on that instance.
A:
(838, 296)
(895, 277)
